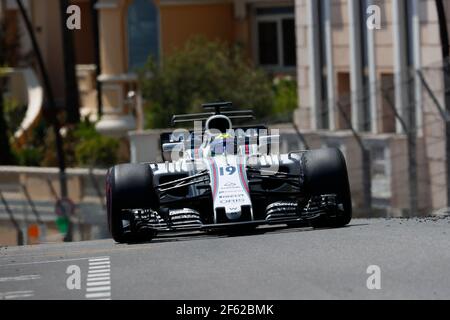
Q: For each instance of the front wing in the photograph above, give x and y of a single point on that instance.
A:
(282, 212)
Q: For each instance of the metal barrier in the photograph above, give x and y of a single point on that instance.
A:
(29, 198)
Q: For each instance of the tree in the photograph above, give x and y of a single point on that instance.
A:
(203, 71)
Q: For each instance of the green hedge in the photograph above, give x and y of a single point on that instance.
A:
(83, 147)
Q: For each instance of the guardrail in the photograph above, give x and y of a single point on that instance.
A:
(29, 196)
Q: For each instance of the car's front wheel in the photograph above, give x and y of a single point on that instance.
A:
(325, 172)
(129, 186)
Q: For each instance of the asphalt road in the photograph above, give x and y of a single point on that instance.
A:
(413, 257)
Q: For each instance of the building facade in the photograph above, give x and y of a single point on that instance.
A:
(132, 30)
(359, 70)
(129, 31)
(356, 63)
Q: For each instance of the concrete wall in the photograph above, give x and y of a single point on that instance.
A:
(179, 23)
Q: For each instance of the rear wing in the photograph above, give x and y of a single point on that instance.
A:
(218, 108)
(167, 137)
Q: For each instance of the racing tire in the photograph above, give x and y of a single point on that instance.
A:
(325, 172)
(129, 186)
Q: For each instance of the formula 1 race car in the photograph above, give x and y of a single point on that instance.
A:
(220, 176)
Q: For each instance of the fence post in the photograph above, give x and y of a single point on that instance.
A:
(300, 136)
(367, 178)
(20, 238)
(410, 132)
(31, 204)
(366, 161)
(412, 168)
(97, 187)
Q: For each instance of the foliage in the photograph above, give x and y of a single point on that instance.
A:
(14, 113)
(93, 149)
(285, 100)
(202, 72)
(32, 153)
(83, 146)
(28, 156)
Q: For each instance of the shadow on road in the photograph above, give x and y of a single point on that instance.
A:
(266, 230)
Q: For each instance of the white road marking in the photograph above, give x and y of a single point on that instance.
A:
(98, 283)
(16, 294)
(98, 295)
(42, 262)
(19, 296)
(100, 271)
(102, 263)
(98, 278)
(21, 278)
(99, 259)
(98, 267)
(99, 275)
(96, 289)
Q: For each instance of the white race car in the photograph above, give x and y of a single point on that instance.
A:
(221, 176)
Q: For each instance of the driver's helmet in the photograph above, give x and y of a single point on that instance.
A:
(222, 143)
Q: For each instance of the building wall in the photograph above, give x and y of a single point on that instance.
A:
(388, 71)
(434, 129)
(112, 40)
(214, 21)
(303, 115)
(84, 38)
(47, 24)
(46, 20)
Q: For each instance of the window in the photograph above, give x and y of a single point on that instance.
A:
(289, 54)
(143, 33)
(268, 51)
(275, 29)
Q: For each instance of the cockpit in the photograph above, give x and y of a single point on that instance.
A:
(217, 134)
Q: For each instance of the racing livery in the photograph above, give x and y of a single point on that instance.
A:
(225, 176)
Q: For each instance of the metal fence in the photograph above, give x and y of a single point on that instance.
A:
(29, 200)
(396, 151)
(400, 166)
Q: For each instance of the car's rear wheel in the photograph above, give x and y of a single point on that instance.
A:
(325, 172)
(129, 186)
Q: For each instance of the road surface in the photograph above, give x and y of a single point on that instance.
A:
(413, 257)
